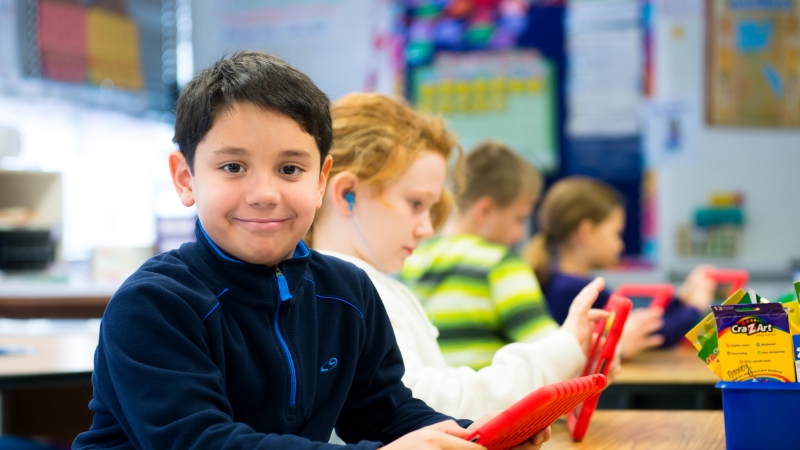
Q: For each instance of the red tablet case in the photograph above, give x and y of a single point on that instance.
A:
(661, 294)
(535, 412)
(600, 361)
(736, 277)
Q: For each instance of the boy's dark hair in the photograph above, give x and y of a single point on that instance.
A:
(492, 169)
(261, 79)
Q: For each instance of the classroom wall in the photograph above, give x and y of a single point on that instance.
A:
(757, 161)
(760, 162)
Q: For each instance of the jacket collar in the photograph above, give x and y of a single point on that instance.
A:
(253, 284)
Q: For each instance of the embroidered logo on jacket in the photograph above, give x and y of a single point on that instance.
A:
(329, 365)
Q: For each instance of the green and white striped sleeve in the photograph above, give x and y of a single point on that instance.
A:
(519, 301)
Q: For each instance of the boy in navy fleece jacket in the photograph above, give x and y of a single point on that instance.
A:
(246, 338)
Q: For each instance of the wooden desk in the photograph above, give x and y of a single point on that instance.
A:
(663, 379)
(54, 301)
(673, 366)
(47, 392)
(56, 359)
(646, 430)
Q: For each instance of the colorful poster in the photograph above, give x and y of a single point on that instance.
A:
(753, 74)
(112, 50)
(62, 41)
(462, 25)
(465, 65)
(507, 96)
(89, 44)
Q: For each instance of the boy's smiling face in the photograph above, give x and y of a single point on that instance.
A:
(256, 182)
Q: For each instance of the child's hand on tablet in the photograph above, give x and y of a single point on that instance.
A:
(637, 335)
(581, 317)
(698, 289)
(534, 443)
(447, 435)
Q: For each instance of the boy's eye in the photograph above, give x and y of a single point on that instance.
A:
(232, 168)
(290, 170)
(416, 204)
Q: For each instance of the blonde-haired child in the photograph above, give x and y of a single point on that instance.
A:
(580, 225)
(386, 193)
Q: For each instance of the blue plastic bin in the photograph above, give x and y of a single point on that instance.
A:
(760, 415)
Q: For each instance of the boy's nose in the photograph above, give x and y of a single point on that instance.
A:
(263, 191)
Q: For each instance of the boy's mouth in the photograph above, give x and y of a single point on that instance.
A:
(261, 224)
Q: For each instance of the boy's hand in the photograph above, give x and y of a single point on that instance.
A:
(581, 318)
(534, 443)
(447, 435)
(637, 335)
(698, 289)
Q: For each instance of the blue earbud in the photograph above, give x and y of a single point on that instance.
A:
(350, 197)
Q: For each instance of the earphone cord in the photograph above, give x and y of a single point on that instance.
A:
(364, 239)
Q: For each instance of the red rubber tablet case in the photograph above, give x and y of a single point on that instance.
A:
(659, 295)
(735, 278)
(600, 360)
(535, 412)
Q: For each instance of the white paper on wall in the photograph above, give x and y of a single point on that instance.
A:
(671, 132)
(343, 45)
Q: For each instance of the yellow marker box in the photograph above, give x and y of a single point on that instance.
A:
(754, 342)
(704, 335)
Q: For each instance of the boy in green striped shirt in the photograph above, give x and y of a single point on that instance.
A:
(480, 294)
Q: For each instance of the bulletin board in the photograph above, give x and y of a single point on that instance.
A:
(114, 54)
(469, 63)
(469, 30)
(753, 75)
(501, 95)
(93, 44)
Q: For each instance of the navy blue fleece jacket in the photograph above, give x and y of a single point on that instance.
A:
(200, 350)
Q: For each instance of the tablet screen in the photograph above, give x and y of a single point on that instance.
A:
(641, 302)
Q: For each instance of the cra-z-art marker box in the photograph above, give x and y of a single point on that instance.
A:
(754, 342)
(704, 335)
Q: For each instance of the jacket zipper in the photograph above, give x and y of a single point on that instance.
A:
(283, 291)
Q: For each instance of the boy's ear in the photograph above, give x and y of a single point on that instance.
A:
(323, 179)
(181, 177)
(482, 208)
(340, 185)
